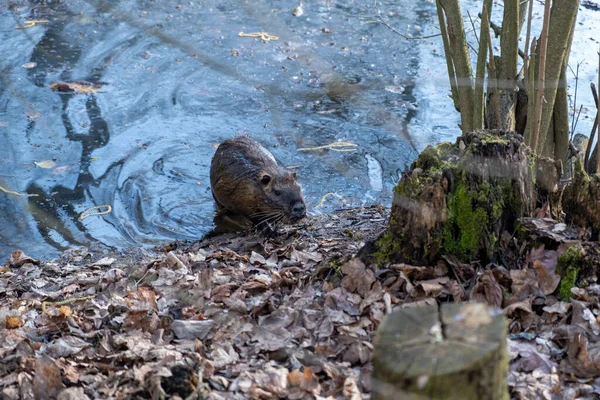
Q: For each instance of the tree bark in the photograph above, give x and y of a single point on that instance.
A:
(455, 352)
(448, 52)
(462, 62)
(509, 52)
(562, 20)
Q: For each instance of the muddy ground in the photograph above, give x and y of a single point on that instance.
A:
(244, 316)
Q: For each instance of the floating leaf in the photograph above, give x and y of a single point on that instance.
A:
(45, 164)
(77, 87)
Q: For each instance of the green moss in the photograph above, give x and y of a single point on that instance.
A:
(429, 158)
(487, 138)
(568, 267)
(433, 157)
(466, 223)
(388, 246)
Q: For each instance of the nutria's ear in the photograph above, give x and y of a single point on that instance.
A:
(265, 179)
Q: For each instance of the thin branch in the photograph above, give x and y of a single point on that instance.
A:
(526, 58)
(473, 26)
(588, 150)
(498, 31)
(598, 120)
(384, 22)
(574, 100)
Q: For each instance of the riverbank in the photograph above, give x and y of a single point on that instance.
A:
(243, 316)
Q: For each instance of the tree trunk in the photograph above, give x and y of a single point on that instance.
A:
(562, 20)
(455, 352)
(509, 45)
(462, 62)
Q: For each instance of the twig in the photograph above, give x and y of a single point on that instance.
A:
(323, 200)
(263, 35)
(32, 23)
(498, 31)
(574, 100)
(597, 119)
(83, 215)
(384, 22)
(333, 147)
(576, 121)
(588, 150)
(62, 303)
(473, 26)
(16, 193)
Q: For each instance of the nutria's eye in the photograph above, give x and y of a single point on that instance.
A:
(265, 180)
(294, 175)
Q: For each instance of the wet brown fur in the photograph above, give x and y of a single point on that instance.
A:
(238, 173)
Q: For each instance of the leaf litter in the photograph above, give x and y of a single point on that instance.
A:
(237, 317)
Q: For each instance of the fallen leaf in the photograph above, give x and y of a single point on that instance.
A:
(487, 290)
(548, 281)
(358, 277)
(13, 322)
(77, 87)
(306, 380)
(583, 359)
(47, 382)
(18, 258)
(187, 329)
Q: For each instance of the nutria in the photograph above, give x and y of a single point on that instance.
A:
(248, 181)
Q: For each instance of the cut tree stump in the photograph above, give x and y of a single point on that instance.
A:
(456, 351)
(457, 199)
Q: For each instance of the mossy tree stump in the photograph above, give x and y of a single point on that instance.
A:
(580, 201)
(456, 199)
(455, 352)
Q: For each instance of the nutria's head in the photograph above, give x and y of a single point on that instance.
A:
(247, 180)
(281, 196)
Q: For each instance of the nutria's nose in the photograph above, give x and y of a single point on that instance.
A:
(298, 210)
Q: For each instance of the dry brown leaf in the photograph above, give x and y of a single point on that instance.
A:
(548, 280)
(47, 382)
(143, 298)
(358, 277)
(13, 322)
(583, 359)
(305, 380)
(65, 311)
(18, 258)
(186, 329)
(430, 288)
(520, 305)
(487, 290)
(256, 258)
(458, 292)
